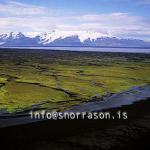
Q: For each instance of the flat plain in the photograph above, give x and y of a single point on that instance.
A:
(60, 79)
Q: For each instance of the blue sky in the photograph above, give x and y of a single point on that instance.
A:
(120, 18)
(95, 6)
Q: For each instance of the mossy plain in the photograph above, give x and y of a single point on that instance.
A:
(63, 78)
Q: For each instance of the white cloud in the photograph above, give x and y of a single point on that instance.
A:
(31, 19)
(113, 24)
(12, 8)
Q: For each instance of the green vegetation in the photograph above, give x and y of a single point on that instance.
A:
(61, 78)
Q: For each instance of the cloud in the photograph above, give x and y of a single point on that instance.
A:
(113, 24)
(13, 8)
(32, 19)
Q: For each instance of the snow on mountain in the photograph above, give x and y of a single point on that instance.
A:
(11, 35)
(14, 35)
(68, 38)
(3, 36)
(46, 38)
(17, 39)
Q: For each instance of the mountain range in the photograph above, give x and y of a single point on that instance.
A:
(60, 38)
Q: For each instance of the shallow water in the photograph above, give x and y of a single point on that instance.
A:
(117, 100)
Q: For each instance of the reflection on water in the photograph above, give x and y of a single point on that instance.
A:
(131, 96)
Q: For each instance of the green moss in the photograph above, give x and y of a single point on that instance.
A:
(67, 78)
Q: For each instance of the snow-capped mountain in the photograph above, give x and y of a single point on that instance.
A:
(17, 39)
(3, 38)
(11, 35)
(68, 38)
(47, 38)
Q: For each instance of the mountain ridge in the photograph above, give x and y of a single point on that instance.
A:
(53, 38)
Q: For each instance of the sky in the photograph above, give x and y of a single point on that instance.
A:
(117, 18)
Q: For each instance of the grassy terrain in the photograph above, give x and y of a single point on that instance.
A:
(59, 79)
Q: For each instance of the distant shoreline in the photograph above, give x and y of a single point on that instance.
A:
(77, 46)
(144, 50)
